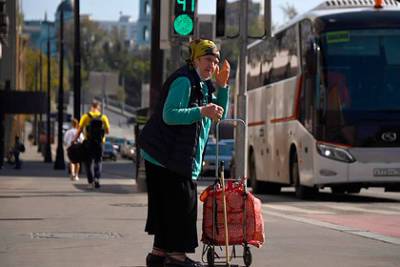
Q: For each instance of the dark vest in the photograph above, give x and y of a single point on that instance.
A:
(174, 146)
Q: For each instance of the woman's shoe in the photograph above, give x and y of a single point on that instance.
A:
(154, 260)
(171, 262)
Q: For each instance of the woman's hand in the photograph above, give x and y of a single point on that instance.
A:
(222, 76)
(212, 111)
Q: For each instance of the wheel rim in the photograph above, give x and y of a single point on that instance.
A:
(210, 256)
(247, 257)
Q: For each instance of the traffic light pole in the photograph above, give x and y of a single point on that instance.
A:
(156, 55)
(241, 132)
(47, 155)
(59, 164)
(77, 62)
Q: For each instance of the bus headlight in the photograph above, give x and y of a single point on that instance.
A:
(335, 153)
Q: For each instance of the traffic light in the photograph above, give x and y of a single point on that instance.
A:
(220, 18)
(183, 21)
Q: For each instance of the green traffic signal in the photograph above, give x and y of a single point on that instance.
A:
(183, 24)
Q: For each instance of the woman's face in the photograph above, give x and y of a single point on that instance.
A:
(206, 66)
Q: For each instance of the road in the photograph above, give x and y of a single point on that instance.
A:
(330, 230)
(47, 221)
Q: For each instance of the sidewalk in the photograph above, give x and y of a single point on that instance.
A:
(48, 221)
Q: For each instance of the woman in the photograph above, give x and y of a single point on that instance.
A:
(172, 144)
(68, 140)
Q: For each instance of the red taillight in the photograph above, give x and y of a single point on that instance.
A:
(378, 4)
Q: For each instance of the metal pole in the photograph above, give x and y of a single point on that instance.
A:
(35, 118)
(267, 18)
(156, 55)
(241, 132)
(47, 157)
(60, 163)
(77, 62)
(40, 89)
(2, 131)
(103, 92)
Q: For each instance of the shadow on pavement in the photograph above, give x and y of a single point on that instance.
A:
(109, 188)
(33, 169)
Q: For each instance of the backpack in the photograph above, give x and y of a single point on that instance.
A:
(95, 129)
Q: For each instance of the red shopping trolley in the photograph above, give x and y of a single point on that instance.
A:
(231, 216)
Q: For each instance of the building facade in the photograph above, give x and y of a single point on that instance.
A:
(12, 76)
(143, 34)
(135, 34)
(124, 25)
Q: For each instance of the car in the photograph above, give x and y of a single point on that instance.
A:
(228, 142)
(225, 153)
(128, 149)
(231, 144)
(116, 142)
(109, 152)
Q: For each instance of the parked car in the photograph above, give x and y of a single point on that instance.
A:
(231, 144)
(116, 142)
(228, 142)
(128, 149)
(109, 152)
(210, 158)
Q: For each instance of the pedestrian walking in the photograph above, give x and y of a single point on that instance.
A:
(172, 145)
(95, 126)
(17, 149)
(69, 137)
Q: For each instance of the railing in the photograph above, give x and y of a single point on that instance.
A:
(119, 107)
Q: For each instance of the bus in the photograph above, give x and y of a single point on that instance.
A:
(324, 101)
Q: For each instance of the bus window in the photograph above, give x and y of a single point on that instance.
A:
(308, 92)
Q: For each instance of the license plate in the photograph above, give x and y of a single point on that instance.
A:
(387, 172)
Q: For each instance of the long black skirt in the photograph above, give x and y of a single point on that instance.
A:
(172, 209)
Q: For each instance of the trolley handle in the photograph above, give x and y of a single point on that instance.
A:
(240, 121)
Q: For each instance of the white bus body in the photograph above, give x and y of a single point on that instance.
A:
(297, 135)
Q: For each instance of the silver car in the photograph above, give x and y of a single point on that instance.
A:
(128, 150)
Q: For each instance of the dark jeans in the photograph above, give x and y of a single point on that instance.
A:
(172, 209)
(94, 152)
(17, 160)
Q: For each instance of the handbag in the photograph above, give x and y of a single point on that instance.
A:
(76, 152)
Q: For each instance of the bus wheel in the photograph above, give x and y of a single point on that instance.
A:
(272, 188)
(302, 192)
(256, 185)
(354, 190)
(338, 190)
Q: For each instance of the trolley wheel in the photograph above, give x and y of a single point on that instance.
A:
(247, 257)
(210, 256)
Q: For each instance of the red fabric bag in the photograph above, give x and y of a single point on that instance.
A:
(236, 202)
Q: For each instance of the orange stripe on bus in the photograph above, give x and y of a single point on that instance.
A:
(284, 119)
(256, 123)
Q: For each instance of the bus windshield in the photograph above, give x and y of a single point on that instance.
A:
(360, 76)
(363, 67)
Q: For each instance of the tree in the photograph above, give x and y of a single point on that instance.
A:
(32, 75)
(289, 11)
(108, 51)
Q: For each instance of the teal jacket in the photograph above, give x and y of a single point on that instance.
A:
(176, 112)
